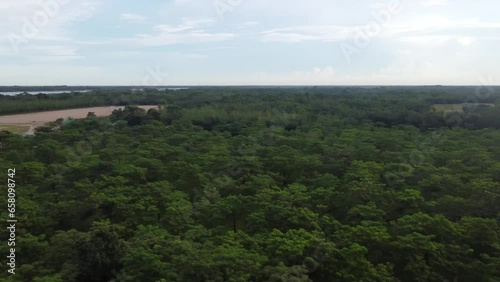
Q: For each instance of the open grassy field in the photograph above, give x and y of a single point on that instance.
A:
(16, 128)
(447, 108)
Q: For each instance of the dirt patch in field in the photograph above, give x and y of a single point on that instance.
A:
(33, 120)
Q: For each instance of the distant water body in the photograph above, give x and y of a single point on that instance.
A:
(41, 92)
(81, 91)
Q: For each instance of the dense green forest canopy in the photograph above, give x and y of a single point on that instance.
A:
(259, 184)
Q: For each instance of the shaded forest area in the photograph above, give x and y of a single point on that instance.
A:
(226, 184)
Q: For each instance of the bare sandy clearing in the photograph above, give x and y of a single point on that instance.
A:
(34, 120)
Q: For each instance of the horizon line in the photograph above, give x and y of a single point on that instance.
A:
(261, 85)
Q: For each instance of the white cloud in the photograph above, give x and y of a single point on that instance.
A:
(18, 17)
(405, 71)
(132, 17)
(309, 33)
(189, 31)
(426, 29)
(15, 14)
(430, 41)
(53, 50)
(182, 2)
(187, 24)
(49, 74)
(177, 38)
(434, 3)
(466, 41)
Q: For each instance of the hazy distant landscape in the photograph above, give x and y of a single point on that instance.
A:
(40, 92)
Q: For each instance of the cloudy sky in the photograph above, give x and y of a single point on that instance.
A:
(249, 42)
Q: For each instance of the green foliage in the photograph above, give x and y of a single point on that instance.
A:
(230, 184)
